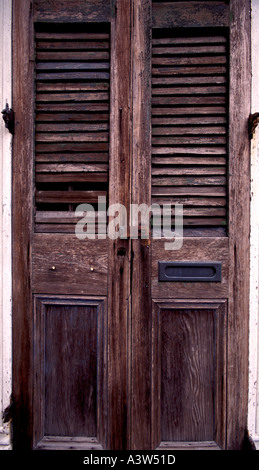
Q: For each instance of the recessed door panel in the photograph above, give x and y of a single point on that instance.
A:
(70, 382)
(189, 357)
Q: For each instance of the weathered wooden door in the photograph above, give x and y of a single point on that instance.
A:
(121, 341)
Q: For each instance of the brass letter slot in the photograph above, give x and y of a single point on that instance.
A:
(189, 271)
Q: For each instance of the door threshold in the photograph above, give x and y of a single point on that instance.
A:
(68, 443)
(191, 445)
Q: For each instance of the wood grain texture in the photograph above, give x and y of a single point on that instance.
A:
(239, 221)
(73, 260)
(22, 222)
(191, 14)
(85, 11)
(76, 407)
(188, 403)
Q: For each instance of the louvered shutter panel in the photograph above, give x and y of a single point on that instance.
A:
(72, 121)
(189, 126)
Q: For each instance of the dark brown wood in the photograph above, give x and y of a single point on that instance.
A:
(190, 14)
(80, 265)
(87, 11)
(22, 212)
(77, 406)
(179, 136)
(141, 249)
(191, 408)
(119, 250)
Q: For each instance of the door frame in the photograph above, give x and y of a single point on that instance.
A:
(134, 380)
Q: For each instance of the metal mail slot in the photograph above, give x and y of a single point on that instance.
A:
(189, 271)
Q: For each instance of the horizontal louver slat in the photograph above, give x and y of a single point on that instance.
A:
(72, 72)
(189, 126)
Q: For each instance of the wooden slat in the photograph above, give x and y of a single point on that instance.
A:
(54, 217)
(72, 66)
(214, 191)
(72, 117)
(189, 124)
(72, 137)
(190, 70)
(188, 100)
(65, 44)
(187, 130)
(186, 200)
(71, 168)
(200, 120)
(72, 86)
(188, 40)
(72, 147)
(82, 96)
(190, 90)
(189, 150)
(189, 160)
(79, 127)
(185, 80)
(61, 36)
(80, 75)
(190, 140)
(169, 61)
(188, 181)
(194, 212)
(71, 157)
(189, 50)
(73, 55)
(99, 10)
(72, 177)
(188, 170)
(72, 107)
(185, 111)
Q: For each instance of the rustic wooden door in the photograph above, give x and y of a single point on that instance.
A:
(122, 341)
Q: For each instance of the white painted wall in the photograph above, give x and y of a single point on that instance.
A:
(5, 221)
(253, 407)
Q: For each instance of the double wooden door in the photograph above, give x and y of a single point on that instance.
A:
(121, 341)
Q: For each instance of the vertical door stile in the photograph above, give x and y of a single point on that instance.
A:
(141, 247)
(119, 249)
(22, 220)
(239, 217)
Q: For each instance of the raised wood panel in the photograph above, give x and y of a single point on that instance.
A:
(193, 249)
(70, 369)
(80, 266)
(190, 14)
(98, 10)
(189, 372)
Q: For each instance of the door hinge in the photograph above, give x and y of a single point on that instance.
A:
(253, 123)
(9, 411)
(8, 117)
